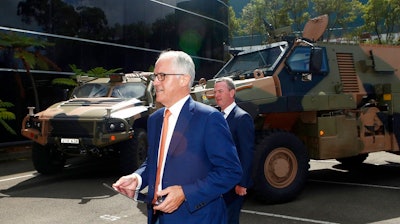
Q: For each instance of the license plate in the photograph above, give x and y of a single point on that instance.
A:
(70, 141)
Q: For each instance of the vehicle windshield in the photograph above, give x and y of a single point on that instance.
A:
(129, 90)
(265, 58)
(125, 90)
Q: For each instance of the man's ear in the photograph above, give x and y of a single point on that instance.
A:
(184, 80)
(232, 93)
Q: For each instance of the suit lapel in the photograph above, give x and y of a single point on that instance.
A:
(231, 114)
(182, 125)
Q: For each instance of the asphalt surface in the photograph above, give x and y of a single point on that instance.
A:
(15, 150)
(334, 194)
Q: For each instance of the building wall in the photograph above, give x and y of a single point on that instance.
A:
(113, 34)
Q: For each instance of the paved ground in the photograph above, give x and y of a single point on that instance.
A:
(17, 151)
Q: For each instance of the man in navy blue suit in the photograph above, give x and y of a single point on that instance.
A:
(242, 128)
(201, 162)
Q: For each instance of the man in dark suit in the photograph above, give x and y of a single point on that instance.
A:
(201, 162)
(242, 128)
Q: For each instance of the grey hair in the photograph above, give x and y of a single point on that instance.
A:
(182, 62)
(229, 82)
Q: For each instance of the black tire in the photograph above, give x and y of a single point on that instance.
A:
(132, 152)
(46, 159)
(353, 161)
(282, 165)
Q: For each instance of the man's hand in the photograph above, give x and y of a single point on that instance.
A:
(242, 191)
(174, 197)
(126, 185)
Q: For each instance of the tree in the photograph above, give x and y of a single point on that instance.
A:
(53, 16)
(29, 52)
(234, 25)
(70, 83)
(6, 115)
(264, 16)
(296, 10)
(93, 23)
(340, 12)
(251, 21)
(98, 72)
(277, 13)
(382, 17)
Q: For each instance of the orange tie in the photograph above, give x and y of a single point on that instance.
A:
(162, 151)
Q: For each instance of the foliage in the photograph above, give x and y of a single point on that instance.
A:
(28, 51)
(262, 16)
(99, 72)
(340, 12)
(64, 82)
(12, 39)
(382, 17)
(252, 17)
(6, 115)
(59, 17)
(233, 23)
(296, 13)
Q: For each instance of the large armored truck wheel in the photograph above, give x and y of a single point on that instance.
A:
(281, 170)
(133, 152)
(47, 160)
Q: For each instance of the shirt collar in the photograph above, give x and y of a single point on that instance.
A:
(228, 109)
(177, 107)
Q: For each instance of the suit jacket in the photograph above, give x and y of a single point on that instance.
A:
(202, 158)
(242, 129)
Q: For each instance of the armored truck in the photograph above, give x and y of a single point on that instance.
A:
(313, 100)
(103, 117)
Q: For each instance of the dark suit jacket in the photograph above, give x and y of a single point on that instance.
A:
(242, 129)
(202, 158)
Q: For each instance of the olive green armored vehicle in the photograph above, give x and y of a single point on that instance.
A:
(313, 100)
(104, 117)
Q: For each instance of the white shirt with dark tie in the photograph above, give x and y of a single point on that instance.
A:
(228, 110)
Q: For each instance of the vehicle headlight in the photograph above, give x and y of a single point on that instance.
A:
(115, 126)
(33, 124)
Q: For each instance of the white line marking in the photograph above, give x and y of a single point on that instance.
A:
(357, 184)
(110, 217)
(18, 177)
(287, 217)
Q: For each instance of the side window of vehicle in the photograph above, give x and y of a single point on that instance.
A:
(307, 59)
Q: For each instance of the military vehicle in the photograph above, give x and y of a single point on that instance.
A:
(103, 117)
(313, 100)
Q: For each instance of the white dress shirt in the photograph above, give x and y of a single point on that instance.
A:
(175, 111)
(228, 110)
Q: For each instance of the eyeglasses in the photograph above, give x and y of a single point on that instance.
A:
(160, 76)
